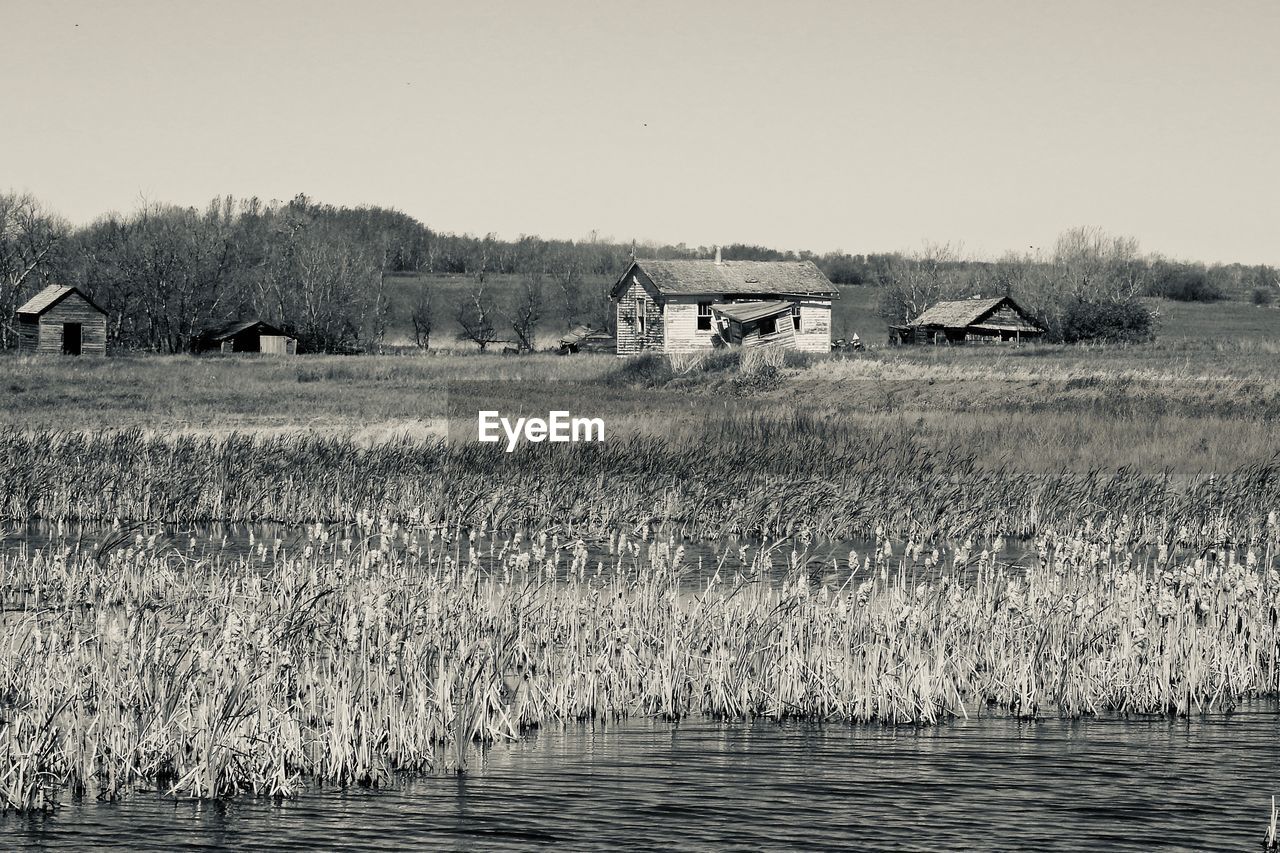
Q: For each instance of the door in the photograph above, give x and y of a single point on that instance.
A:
(71, 337)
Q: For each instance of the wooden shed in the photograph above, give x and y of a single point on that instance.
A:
(63, 320)
(587, 339)
(993, 320)
(247, 336)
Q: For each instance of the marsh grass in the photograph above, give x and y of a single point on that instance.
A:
(152, 664)
(763, 476)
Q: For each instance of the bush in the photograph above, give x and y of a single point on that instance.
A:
(1111, 322)
(1186, 284)
(1263, 296)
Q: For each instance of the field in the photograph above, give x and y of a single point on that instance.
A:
(251, 575)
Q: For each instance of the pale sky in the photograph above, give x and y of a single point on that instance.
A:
(825, 125)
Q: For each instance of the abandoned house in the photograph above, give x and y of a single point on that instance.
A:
(586, 339)
(689, 305)
(247, 336)
(62, 320)
(993, 320)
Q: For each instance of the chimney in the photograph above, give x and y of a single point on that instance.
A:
(717, 255)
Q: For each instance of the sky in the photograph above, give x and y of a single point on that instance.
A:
(858, 126)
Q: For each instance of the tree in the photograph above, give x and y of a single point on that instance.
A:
(526, 313)
(475, 316)
(29, 235)
(913, 283)
(423, 317)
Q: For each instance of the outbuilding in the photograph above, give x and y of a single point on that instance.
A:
(247, 336)
(586, 339)
(64, 320)
(993, 320)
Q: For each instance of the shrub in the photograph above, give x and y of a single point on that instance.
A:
(1111, 322)
(1185, 284)
(1263, 296)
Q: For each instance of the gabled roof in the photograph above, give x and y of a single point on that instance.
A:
(705, 277)
(745, 312)
(51, 296)
(230, 330)
(958, 313)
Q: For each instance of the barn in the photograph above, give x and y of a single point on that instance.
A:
(247, 336)
(63, 320)
(993, 320)
(691, 305)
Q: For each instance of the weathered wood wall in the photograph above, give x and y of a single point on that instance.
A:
(277, 344)
(681, 324)
(630, 340)
(28, 335)
(814, 334)
(72, 309)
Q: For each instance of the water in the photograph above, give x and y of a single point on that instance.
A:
(985, 784)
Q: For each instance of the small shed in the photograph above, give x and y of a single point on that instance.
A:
(757, 324)
(992, 320)
(587, 339)
(247, 336)
(63, 320)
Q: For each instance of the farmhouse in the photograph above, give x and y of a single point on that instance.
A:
(992, 320)
(690, 305)
(62, 320)
(247, 336)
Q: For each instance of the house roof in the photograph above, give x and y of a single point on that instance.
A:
(51, 296)
(581, 333)
(230, 330)
(970, 312)
(745, 312)
(696, 277)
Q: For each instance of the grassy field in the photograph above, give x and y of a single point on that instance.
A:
(1203, 396)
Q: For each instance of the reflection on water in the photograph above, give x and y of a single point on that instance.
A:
(988, 784)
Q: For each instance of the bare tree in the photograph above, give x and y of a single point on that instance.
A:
(28, 237)
(423, 318)
(1093, 266)
(526, 313)
(475, 316)
(913, 283)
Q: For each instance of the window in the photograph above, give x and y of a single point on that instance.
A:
(704, 316)
(768, 325)
(642, 308)
(795, 315)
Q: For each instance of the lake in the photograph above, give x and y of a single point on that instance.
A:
(981, 784)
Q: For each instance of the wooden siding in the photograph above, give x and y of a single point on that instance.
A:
(72, 309)
(278, 345)
(28, 335)
(630, 341)
(681, 326)
(814, 334)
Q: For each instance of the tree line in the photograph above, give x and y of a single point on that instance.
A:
(165, 273)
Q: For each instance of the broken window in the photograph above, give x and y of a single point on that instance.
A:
(642, 307)
(704, 316)
(768, 325)
(795, 315)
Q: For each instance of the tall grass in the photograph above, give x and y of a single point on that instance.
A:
(140, 664)
(758, 476)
